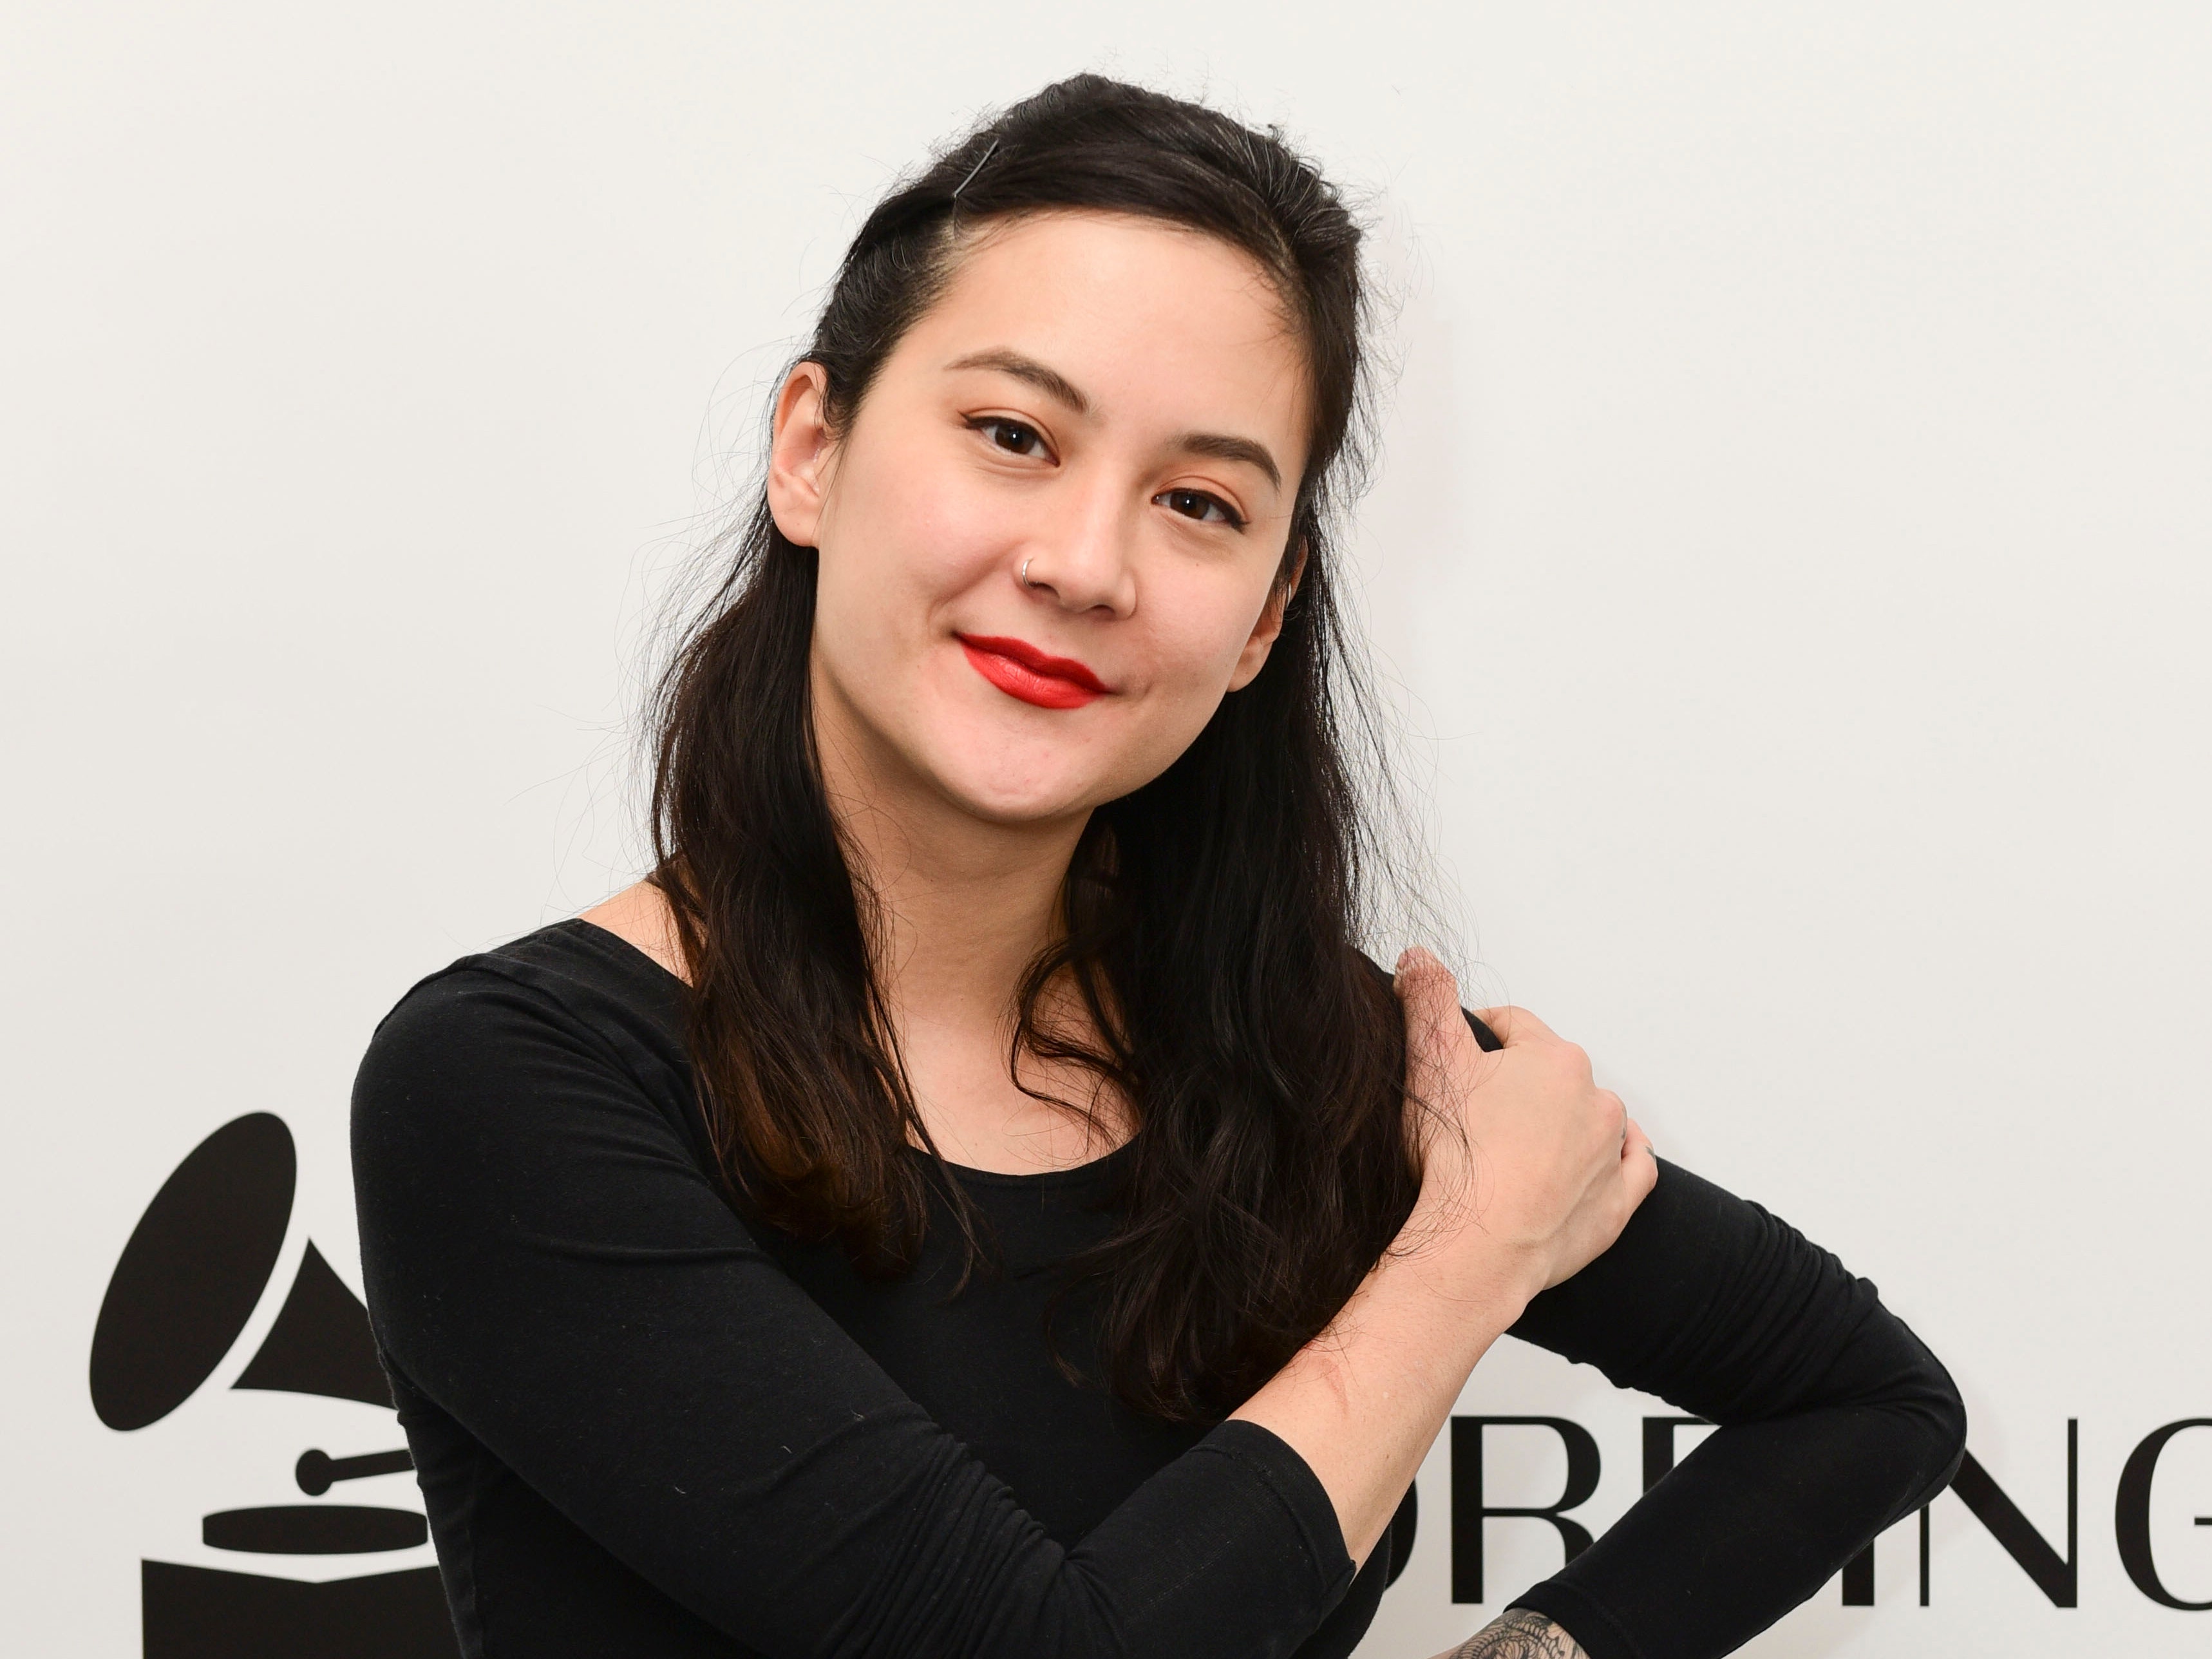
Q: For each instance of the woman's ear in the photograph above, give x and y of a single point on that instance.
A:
(1254, 657)
(799, 454)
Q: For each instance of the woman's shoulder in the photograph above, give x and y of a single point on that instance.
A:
(572, 991)
(577, 966)
(530, 1092)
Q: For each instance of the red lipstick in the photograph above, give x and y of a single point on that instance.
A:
(1020, 670)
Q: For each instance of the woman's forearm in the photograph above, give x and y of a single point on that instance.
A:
(1362, 1401)
(1528, 1171)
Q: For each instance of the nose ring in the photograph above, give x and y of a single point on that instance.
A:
(1026, 572)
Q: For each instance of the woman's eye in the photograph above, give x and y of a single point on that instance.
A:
(1012, 436)
(1197, 504)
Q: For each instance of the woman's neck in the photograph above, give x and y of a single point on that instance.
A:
(962, 905)
(962, 908)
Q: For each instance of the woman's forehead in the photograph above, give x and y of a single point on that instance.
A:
(1138, 314)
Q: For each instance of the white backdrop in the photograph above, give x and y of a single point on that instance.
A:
(1792, 553)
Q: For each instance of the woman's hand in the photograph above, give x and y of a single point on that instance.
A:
(1530, 1170)
(1518, 1633)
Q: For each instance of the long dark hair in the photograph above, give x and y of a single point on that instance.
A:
(1211, 915)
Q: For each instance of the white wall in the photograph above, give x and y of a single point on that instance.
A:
(1793, 541)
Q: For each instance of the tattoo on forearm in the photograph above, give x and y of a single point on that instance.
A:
(1519, 1634)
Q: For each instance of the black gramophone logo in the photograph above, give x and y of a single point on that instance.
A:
(182, 1292)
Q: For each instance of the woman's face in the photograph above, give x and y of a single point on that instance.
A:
(1049, 536)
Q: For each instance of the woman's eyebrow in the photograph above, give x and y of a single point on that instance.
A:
(1050, 381)
(1222, 447)
(1057, 386)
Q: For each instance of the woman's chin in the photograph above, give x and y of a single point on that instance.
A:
(997, 791)
(1015, 808)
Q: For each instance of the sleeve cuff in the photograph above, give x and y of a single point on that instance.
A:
(1271, 1458)
(1599, 1633)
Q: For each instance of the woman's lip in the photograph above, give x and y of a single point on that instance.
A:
(1020, 670)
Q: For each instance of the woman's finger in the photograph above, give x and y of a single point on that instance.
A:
(1430, 996)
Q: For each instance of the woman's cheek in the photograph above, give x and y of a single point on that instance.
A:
(1194, 665)
(903, 569)
(1219, 624)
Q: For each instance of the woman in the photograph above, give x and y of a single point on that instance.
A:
(974, 1198)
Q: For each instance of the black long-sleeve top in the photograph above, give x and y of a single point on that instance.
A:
(644, 1425)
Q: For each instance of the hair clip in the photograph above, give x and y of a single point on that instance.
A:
(973, 171)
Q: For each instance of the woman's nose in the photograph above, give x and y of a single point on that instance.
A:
(1083, 561)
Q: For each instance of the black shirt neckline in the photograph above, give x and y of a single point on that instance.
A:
(607, 942)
